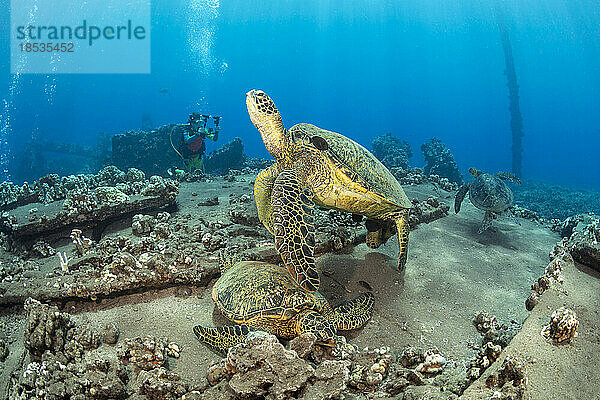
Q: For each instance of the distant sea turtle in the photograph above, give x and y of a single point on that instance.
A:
(488, 193)
(314, 165)
(262, 296)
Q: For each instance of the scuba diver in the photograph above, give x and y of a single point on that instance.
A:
(192, 145)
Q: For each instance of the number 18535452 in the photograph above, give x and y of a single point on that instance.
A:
(49, 47)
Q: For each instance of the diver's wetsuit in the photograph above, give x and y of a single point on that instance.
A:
(192, 145)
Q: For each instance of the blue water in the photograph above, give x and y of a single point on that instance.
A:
(416, 68)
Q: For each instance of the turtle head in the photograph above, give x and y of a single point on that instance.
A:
(267, 119)
(326, 334)
(317, 324)
(475, 172)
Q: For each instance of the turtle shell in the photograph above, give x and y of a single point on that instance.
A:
(490, 193)
(250, 288)
(354, 160)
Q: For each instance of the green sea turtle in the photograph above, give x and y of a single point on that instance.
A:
(316, 166)
(262, 296)
(488, 193)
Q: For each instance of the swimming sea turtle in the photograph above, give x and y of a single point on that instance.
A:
(258, 295)
(488, 193)
(314, 165)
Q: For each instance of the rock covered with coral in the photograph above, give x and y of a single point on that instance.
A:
(46, 329)
(552, 277)
(584, 244)
(392, 151)
(508, 383)
(229, 156)
(440, 161)
(66, 363)
(262, 368)
(495, 337)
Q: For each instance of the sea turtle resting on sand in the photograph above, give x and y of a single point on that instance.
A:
(488, 193)
(262, 296)
(316, 166)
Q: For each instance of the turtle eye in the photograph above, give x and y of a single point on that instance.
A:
(319, 143)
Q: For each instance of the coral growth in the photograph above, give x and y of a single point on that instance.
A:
(495, 337)
(392, 151)
(440, 161)
(65, 364)
(262, 367)
(553, 201)
(552, 277)
(512, 371)
(562, 328)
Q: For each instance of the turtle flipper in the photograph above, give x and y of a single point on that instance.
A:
(223, 337)
(507, 176)
(355, 313)
(374, 231)
(227, 259)
(403, 228)
(487, 222)
(460, 196)
(294, 229)
(263, 187)
(312, 321)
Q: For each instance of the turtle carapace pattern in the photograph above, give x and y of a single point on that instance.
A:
(260, 296)
(488, 193)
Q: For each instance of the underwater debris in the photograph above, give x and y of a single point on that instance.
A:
(427, 211)
(211, 201)
(416, 176)
(562, 328)
(4, 351)
(253, 368)
(434, 362)
(552, 277)
(440, 161)
(43, 249)
(63, 260)
(82, 244)
(88, 200)
(144, 353)
(412, 176)
(262, 366)
(391, 151)
(160, 383)
(46, 329)
(567, 227)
